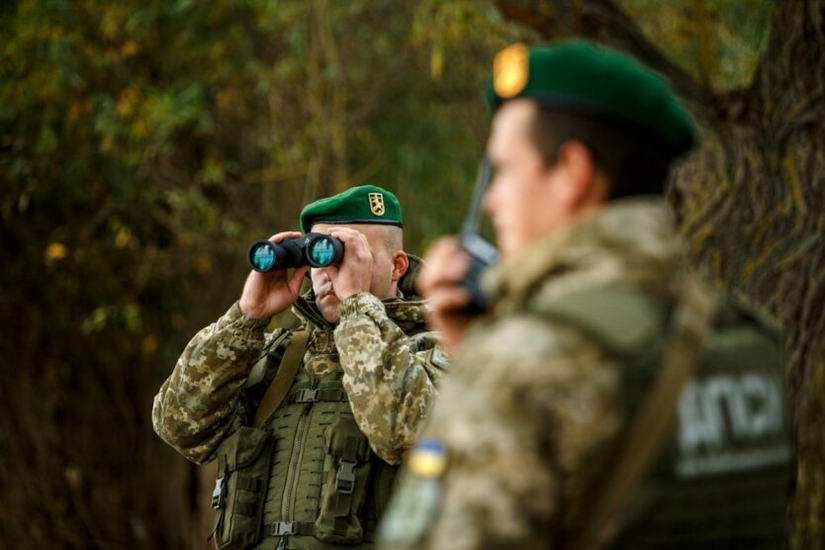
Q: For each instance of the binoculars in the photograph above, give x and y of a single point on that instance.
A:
(313, 249)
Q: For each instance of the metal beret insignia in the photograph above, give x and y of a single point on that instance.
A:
(377, 204)
(511, 70)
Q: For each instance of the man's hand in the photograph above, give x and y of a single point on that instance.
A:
(267, 294)
(354, 275)
(445, 267)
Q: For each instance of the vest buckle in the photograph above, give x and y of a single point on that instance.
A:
(307, 396)
(282, 528)
(345, 478)
(218, 494)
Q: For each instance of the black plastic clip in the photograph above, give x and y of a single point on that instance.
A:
(307, 396)
(345, 479)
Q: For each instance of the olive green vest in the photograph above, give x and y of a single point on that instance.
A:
(307, 480)
(722, 477)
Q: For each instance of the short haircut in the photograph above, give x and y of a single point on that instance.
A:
(389, 237)
(631, 159)
(393, 238)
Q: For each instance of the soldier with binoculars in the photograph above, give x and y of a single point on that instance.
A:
(308, 425)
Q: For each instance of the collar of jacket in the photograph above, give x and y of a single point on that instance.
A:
(627, 242)
(407, 309)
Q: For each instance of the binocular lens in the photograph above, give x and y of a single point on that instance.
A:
(321, 252)
(262, 256)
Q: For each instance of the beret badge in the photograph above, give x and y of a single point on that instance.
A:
(511, 70)
(377, 204)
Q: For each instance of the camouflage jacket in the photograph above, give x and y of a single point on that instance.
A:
(530, 404)
(537, 406)
(391, 366)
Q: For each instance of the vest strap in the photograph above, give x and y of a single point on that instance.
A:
(249, 484)
(276, 391)
(289, 528)
(340, 511)
(308, 395)
(646, 431)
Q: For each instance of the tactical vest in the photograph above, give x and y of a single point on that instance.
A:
(722, 478)
(307, 480)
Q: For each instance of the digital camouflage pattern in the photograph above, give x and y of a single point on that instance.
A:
(202, 402)
(532, 406)
(391, 367)
(389, 378)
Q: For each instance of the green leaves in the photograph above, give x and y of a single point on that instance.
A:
(717, 41)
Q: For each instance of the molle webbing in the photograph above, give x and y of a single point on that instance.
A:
(333, 484)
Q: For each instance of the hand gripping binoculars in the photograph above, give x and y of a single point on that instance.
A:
(313, 249)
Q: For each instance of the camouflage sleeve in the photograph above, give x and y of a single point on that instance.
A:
(522, 415)
(390, 378)
(202, 400)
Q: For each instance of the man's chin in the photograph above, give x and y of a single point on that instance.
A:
(328, 306)
(331, 318)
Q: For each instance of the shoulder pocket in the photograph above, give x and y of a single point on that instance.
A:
(243, 466)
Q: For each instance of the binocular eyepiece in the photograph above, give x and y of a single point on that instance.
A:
(313, 249)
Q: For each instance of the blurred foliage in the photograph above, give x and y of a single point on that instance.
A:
(142, 146)
(719, 42)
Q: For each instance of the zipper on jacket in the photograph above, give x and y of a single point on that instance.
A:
(295, 460)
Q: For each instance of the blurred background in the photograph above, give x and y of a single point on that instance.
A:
(145, 144)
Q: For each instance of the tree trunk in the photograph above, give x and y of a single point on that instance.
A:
(750, 199)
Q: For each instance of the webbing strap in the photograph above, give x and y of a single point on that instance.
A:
(276, 391)
(646, 432)
(341, 509)
(309, 395)
(289, 528)
(248, 484)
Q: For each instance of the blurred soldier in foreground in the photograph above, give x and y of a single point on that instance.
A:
(308, 425)
(581, 413)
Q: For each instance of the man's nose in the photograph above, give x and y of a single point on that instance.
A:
(487, 201)
(320, 274)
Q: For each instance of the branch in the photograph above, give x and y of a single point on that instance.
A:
(602, 21)
(790, 75)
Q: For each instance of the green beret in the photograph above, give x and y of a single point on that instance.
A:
(364, 204)
(583, 77)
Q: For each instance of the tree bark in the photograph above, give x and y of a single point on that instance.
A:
(750, 198)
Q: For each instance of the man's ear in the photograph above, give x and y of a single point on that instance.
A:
(585, 184)
(400, 264)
